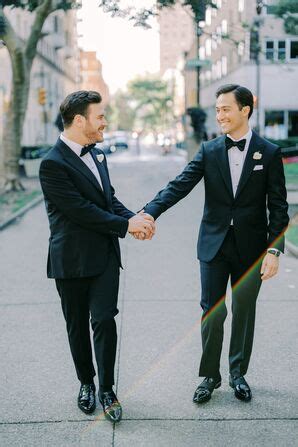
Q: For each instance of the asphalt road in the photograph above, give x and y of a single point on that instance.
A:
(159, 338)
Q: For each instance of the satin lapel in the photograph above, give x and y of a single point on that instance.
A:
(78, 164)
(223, 163)
(255, 145)
(103, 176)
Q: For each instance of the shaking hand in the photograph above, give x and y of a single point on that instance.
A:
(141, 226)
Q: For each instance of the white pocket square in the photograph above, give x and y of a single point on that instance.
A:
(258, 167)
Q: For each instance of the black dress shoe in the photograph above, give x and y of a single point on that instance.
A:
(111, 406)
(86, 398)
(205, 389)
(241, 387)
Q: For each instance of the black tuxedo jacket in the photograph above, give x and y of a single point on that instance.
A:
(85, 220)
(259, 190)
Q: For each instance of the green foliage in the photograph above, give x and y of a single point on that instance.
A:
(120, 114)
(288, 10)
(31, 5)
(141, 16)
(152, 103)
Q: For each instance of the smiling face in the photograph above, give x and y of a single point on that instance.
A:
(230, 116)
(94, 123)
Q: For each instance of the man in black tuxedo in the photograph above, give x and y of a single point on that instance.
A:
(86, 220)
(244, 178)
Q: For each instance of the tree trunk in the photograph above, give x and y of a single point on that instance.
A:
(21, 56)
(14, 125)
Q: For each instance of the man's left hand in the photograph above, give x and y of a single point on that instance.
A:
(269, 266)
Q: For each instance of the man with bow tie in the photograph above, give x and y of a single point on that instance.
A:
(244, 178)
(86, 220)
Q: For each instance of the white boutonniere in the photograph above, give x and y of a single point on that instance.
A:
(257, 156)
(100, 157)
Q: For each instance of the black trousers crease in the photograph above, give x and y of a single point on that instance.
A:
(246, 283)
(92, 298)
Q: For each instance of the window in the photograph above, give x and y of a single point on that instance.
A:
(281, 50)
(293, 123)
(294, 49)
(208, 47)
(218, 70)
(208, 16)
(224, 27)
(240, 5)
(224, 65)
(281, 124)
(275, 127)
(213, 71)
(241, 48)
(202, 53)
(270, 49)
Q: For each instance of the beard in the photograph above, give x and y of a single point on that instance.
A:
(94, 135)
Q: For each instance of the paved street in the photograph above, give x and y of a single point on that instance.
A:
(159, 339)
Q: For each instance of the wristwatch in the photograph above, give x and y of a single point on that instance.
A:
(274, 251)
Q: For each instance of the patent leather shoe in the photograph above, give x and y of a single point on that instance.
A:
(86, 398)
(241, 388)
(111, 406)
(205, 389)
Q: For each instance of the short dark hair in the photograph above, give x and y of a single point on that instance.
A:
(243, 96)
(77, 103)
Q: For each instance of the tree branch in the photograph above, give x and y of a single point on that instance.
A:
(10, 37)
(41, 13)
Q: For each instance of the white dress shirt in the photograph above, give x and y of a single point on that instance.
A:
(236, 161)
(87, 158)
(237, 158)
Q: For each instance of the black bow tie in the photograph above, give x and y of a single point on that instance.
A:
(230, 143)
(86, 149)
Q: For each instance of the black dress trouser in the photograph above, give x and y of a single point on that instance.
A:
(246, 283)
(97, 297)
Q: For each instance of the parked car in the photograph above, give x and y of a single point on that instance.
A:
(120, 139)
(31, 157)
(32, 152)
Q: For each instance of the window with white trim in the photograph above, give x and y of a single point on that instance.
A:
(281, 50)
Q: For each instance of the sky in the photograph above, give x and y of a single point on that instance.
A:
(124, 50)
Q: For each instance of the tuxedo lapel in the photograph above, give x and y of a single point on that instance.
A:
(71, 158)
(223, 163)
(103, 176)
(255, 145)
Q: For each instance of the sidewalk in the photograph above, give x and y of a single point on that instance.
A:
(159, 339)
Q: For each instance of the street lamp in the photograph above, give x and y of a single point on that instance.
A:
(257, 25)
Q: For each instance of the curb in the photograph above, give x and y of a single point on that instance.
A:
(293, 249)
(20, 212)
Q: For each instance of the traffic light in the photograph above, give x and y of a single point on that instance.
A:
(42, 96)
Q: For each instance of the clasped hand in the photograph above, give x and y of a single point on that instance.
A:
(141, 226)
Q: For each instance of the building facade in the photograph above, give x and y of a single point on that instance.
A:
(227, 55)
(176, 34)
(91, 74)
(55, 72)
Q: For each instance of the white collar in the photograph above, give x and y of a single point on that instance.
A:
(247, 136)
(76, 147)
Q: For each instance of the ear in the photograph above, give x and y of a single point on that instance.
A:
(245, 110)
(79, 120)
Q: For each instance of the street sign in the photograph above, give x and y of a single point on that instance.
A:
(192, 64)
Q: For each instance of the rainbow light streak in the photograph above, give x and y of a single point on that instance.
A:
(186, 336)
